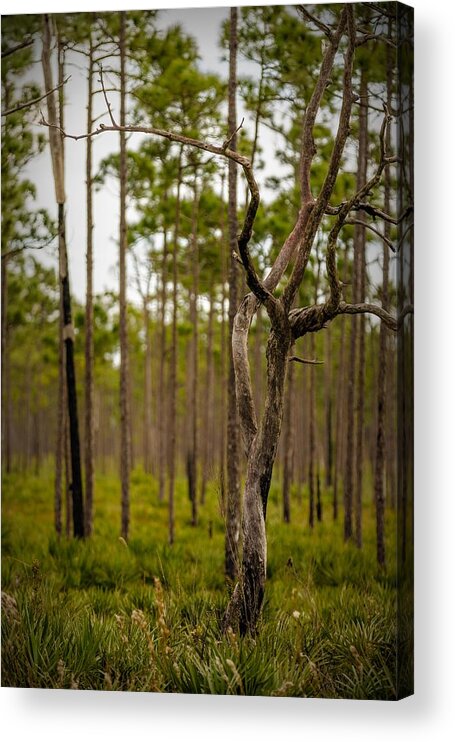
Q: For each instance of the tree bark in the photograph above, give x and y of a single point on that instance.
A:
(162, 406)
(209, 402)
(173, 361)
(192, 453)
(244, 608)
(289, 434)
(233, 504)
(147, 416)
(361, 288)
(328, 409)
(89, 350)
(125, 443)
(379, 489)
(57, 156)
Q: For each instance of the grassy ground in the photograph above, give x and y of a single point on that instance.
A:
(146, 617)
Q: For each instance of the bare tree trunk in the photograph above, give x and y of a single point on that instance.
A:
(354, 437)
(125, 444)
(147, 389)
(233, 514)
(67, 461)
(361, 288)
(223, 380)
(312, 439)
(289, 434)
(57, 155)
(192, 453)
(60, 435)
(245, 605)
(162, 406)
(379, 491)
(89, 352)
(328, 409)
(173, 361)
(209, 402)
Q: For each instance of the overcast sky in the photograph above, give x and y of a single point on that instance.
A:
(204, 25)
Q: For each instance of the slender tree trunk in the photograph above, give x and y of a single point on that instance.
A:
(379, 490)
(125, 443)
(209, 402)
(60, 436)
(328, 409)
(173, 361)
(312, 438)
(233, 509)
(67, 461)
(192, 454)
(223, 380)
(361, 289)
(289, 434)
(57, 155)
(162, 406)
(354, 439)
(147, 452)
(89, 352)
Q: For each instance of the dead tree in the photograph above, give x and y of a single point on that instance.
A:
(287, 324)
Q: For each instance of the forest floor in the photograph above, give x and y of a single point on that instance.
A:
(105, 615)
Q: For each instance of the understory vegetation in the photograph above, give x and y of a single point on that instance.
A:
(100, 614)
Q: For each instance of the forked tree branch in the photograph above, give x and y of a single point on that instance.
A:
(320, 206)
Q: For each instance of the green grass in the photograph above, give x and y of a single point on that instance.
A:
(146, 617)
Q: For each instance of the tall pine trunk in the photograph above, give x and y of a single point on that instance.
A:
(192, 454)
(233, 504)
(379, 488)
(209, 402)
(57, 156)
(147, 414)
(289, 434)
(125, 446)
(162, 406)
(361, 289)
(89, 351)
(173, 362)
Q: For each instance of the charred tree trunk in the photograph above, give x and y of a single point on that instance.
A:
(89, 351)
(57, 155)
(192, 454)
(233, 504)
(125, 445)
(173, 361)
(60, 434)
